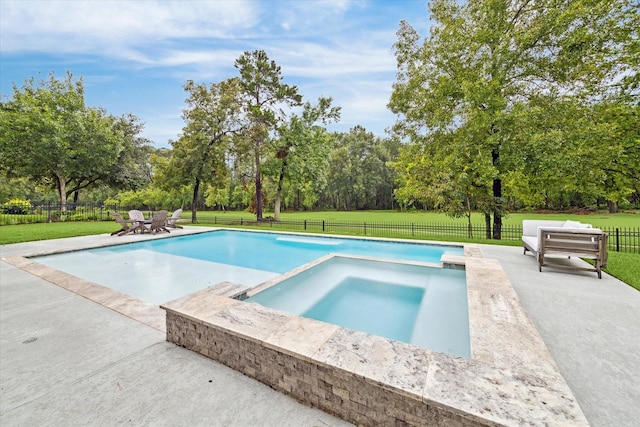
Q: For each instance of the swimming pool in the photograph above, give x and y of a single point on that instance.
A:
(509, 362)
(416, 304)
(161, 270)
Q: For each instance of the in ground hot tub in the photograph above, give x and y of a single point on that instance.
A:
(417, 304)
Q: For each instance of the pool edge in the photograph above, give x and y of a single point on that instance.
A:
(511, 378)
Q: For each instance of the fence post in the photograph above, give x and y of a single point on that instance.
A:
(365, 228)
(240, 221)
(412, 230)
(323, 225)
(305, 224)
(617, 240)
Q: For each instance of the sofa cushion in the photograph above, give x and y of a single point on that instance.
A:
(530, 227)
(571, 224)
(575, 224)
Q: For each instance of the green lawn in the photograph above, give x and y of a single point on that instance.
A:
(54, 230)
(624, 266)
(600, 219)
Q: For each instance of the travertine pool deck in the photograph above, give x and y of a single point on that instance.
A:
(504, 383)
(510, 380)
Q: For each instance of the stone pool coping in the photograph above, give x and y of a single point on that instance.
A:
(510, 379)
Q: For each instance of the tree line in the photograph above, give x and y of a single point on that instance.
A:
(504, 105)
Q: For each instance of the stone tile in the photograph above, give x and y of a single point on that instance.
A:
(102, 295)
(199, 304)
(500, 396)
(301, 337)
(393, 364)
(78, 286)
(228, 289)
(472, 250)
(453, 260)
(17, 261)
(40, 270)
(249, 320)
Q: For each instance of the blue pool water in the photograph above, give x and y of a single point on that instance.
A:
(161, 270)
(416, 304)
(279, 253)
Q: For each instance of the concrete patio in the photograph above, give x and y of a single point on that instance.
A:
(67, 360)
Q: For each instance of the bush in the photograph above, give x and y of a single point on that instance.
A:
(17, 207)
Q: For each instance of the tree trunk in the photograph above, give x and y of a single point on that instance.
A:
(497, 224)
(62, 192)
(613, 206)
(258, 182)
(497, 199)
(276, 208)
(469, 226)
(194, 201)
(487, 225)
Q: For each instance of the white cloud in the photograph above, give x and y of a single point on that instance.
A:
(336, 48)
(85, 26)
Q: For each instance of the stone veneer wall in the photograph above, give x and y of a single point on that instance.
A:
(331, 389)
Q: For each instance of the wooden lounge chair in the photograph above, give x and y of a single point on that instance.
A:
(136, 215)
(171, 221)
(158, 223)
(125, 227)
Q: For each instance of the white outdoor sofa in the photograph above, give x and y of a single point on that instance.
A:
(565, 238)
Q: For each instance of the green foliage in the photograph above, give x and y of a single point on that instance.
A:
(212, 117)
(152, 197)
(17, 206)
(264, 96)
(520, 97)
(301, 153)
(358, 176)
(48, 134)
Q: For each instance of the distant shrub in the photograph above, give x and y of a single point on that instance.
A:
(17, 207)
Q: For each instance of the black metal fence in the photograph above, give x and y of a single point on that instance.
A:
(621, 239)
(54, 212)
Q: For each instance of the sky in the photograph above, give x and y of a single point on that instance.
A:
(135, 56)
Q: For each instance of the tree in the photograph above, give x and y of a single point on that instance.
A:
(453, 184)
(302, 145)
(212, 117)
(358, 175)
(47, 133)
(485, 59)
(263, 96)
(132, 170)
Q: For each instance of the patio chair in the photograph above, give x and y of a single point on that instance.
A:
(125, 227)
(136, 215)
(158, 223)
(171, 221)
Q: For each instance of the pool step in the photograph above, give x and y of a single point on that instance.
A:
(453, 262)
(230, 290)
